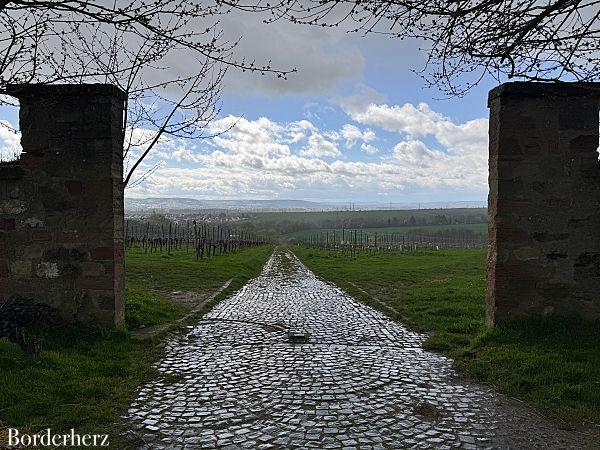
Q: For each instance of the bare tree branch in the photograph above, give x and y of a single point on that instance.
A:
(466, 40)
(133, 44)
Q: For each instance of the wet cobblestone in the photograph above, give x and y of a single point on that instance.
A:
(290, 361)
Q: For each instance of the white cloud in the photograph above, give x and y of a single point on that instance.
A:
(417, 155)
(10, 141)
(462, 157)
(421, 120)
(167, 148)
(368, 148)
(183, 153)
(298, 130)
(369, 135)
(352, 134)
(260, 137)
(264, 159)
(319, 147)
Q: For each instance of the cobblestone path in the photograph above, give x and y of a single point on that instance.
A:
(293, 362)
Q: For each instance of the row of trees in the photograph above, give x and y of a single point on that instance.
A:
(285, 226)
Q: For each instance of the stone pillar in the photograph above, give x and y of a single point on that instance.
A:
(544, 202)
(61, 204)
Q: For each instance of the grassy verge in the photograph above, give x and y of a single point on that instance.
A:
(152, 276)
(553, 366)
(81, 379)
(85, 377)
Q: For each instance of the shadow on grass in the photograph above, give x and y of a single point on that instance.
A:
(553, 364)
(79, 379)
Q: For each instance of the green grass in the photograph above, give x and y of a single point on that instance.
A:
(85, 377)
(151, 277)
(180, 271)
(144, 307)
(81, 379)
(553, 366)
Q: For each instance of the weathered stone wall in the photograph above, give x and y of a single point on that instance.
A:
(544, 202)
(61, 204)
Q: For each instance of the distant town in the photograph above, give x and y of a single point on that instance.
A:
(181, 208)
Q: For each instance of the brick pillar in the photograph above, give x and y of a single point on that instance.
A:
(61, 209)
(544, 202)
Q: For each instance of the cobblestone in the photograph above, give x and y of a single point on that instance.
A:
(355, 380)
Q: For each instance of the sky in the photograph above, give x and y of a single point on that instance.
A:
(354, 123)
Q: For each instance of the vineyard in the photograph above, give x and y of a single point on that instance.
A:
(352, 242)
(454, 229)
(203, 239)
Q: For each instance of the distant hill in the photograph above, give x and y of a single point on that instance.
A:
(176, 203)
(182, 203)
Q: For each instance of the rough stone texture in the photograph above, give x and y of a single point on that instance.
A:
(290, 361)
(544, 201)
(61, 204)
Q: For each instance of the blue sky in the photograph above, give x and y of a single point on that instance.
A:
(355, 123)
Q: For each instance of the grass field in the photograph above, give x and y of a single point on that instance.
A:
(84, 377)
(553, 366)
(480, 228)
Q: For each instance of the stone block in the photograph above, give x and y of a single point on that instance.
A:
(102, 253)
(68, 237)
(47, 269)
(20, 268)
(75, 187)
(7, 224)
(97, 284)
(6, 289)
(11, 206)
(584, 143)
(92, 269)
(32, 251)
(527, 253)
(34, 222)
(41, 236)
